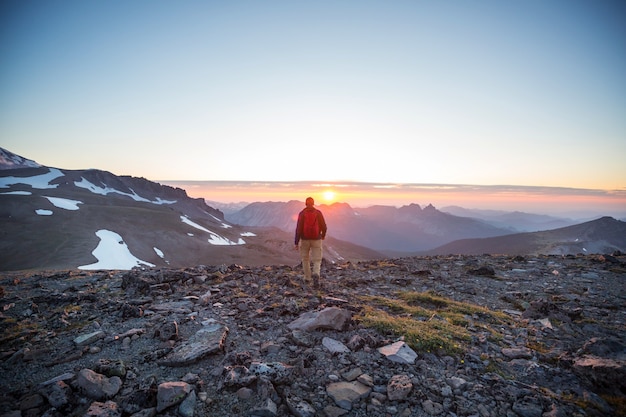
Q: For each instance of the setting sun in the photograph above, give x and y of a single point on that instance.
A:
(329, 196)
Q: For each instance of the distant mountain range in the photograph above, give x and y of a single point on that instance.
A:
(515, 221)
(412, 230)
(605, 235)
(52, 218)
(382, 228)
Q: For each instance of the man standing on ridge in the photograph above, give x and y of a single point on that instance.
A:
(310, 231)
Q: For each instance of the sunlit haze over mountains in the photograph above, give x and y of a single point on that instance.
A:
(491, 104)
(571, 202)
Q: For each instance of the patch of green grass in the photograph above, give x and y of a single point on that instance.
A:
(538, 346)
(13, 329)
(429, 322)
(618, 404)
(385, 263)
(238, 293)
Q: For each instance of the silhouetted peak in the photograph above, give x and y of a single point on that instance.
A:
(411, 207)
(341, 205)
(607, 219)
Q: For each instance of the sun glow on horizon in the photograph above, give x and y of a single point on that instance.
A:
(329, 196)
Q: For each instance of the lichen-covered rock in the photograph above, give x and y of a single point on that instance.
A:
(172, 393)
(399, 387)
(97, 386)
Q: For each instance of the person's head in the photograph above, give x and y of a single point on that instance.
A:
(309, 202)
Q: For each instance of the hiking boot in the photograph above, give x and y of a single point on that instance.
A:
(316, 281)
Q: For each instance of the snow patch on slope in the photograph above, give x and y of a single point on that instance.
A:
(113, 253)
(40, 182)
(64, 203)
(104, 190)
(224, 225)
(215, 239)
(17, 193)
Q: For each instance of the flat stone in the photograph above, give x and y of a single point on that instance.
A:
(107, 409)
(267, 409)
(366, 379)
(604, 372)
(517, 353)
(457, 383)
(398, 352)
(172, 393)
(332, 411)
(352, 374)
(328, 318)
(432, 408)
(209, 339)
(346, 393)
(62, 377)
(88, 338)
(183, 307)
(334, 346)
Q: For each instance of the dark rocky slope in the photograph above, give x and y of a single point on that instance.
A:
(146, 215)
(497, 336)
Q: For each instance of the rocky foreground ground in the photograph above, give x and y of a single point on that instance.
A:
(425, 336)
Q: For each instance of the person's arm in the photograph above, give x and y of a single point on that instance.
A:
(298, 230)
(322, 222)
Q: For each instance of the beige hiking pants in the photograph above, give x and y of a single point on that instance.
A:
(311, 251)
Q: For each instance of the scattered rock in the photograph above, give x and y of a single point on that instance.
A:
(209, 339)
(398, 352)
(171, 393)
(399, 387)
(334, 346)
(89, 338)
(346, 393)
(274, 371)
(107, 409)
(432, 408)
(257, 342)
(97, 386)
(328, 318)
(517, 353)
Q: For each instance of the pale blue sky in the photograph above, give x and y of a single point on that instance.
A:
(463, 92)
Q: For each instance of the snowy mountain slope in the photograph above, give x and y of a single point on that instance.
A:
(52, 218)
(61, 219)
(57, 219)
